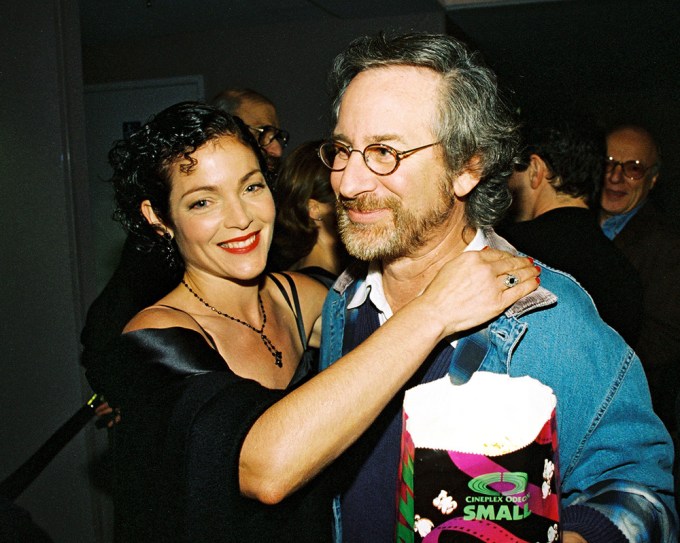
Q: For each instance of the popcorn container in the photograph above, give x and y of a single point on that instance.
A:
(479, 462)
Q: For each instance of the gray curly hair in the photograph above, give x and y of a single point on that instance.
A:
(476, 127)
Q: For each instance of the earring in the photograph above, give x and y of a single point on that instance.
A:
(162, 231)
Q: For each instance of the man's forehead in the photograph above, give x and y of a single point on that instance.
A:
(389, 101)
(631, 141)
(631, 138)
(255, 113)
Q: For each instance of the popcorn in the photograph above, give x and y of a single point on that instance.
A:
(466, 418)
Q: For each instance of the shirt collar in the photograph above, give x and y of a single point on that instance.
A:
(612, 226)
(372, 288)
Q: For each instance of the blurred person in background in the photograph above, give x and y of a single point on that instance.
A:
(306, 234)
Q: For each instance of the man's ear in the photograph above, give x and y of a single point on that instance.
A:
(154, 220)
(538, 171)
(468, 180)
(654, 180)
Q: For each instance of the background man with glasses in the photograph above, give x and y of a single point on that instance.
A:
(553, 183)
(420, 156)
(259, 113)
(652, 245)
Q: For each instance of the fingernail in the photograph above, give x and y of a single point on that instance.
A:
(538, 280)
(485, 248)
(531, 260)
(537, 268)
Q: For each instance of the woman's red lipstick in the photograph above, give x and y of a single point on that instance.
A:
(241, 245)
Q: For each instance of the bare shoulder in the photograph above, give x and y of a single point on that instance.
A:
(161, 317)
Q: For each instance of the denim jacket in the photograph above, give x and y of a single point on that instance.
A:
(615, 455)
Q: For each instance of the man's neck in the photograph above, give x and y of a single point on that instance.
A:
(406, 277)
(558, 201)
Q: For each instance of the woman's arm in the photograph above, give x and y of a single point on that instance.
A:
(305, 431)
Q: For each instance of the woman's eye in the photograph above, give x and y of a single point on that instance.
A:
(200, 204)
(254, 187)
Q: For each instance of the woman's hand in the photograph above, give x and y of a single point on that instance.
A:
(474, 288)
(106, 415)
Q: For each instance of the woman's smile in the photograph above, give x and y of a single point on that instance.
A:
(241, 245)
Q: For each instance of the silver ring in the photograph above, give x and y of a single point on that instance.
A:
(511, 280)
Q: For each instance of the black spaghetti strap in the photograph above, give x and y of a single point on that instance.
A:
(283, 291)
(296, 300)
(205, 332)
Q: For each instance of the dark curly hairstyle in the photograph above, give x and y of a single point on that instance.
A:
(141, 166)
(572, 147)
(302, 177)
(475, 122)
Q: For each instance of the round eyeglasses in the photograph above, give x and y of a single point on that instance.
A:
(633, 169)
(267, 134)
(381, 159)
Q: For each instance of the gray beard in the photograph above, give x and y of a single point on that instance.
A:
(391, 239)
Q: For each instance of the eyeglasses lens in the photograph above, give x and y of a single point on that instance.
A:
(270, 133)
(631, 168)
(380, 159)
(333, 156)
(634, 170)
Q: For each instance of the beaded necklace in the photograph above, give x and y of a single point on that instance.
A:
(278, 356)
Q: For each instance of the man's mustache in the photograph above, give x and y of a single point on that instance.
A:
(368, 202)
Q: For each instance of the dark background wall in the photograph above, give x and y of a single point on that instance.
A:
(285, 57)
(44, 260)
(616, 58)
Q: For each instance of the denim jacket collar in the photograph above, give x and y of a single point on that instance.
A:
(541, 297)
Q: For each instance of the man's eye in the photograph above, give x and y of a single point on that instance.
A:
(341, 153)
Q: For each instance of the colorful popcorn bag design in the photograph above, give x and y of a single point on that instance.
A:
(479, 462)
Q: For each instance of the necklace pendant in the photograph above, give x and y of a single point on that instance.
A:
(278, 359)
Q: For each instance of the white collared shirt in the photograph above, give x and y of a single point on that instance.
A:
(372, 288)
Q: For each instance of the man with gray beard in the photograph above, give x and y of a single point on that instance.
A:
(420, 157)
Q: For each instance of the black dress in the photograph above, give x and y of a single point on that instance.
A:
(185, 415)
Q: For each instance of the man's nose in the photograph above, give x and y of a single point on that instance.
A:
(615, 175)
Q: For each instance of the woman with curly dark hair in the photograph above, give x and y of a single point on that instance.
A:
(224, 427)
(306, 235)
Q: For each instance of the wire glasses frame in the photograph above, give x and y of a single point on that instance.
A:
(632, 169)
(267, 134)
(381, 159)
